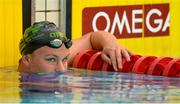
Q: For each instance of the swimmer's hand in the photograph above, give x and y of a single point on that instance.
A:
(112, 52)
(113, 55)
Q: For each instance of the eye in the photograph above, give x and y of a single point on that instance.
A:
(65, 59)
(51, 59)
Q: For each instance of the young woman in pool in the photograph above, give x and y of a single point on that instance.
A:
(45, 49)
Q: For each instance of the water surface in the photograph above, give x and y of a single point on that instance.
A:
(83, 86)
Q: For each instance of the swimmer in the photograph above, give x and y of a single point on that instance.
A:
(45, 49)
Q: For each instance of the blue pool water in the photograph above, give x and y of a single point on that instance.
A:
(83, 86)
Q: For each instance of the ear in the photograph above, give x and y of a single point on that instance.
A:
(24, 64)
(26, 59)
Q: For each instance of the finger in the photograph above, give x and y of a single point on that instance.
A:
(119, 58)
(129, 52)
(113, 60)
(106, 58)
(126, 54)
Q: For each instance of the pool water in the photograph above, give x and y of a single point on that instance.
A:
(85, 86)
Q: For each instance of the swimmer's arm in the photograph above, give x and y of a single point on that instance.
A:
(80, 44)
(112, 52)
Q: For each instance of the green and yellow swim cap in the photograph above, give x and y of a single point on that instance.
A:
(41, 34)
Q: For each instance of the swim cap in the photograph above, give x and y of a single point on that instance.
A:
(42, 34)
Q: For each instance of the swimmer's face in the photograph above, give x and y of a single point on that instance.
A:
(46, 59)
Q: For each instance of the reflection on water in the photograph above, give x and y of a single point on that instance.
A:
(82, 86)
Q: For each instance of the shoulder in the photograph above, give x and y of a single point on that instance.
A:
(80, 44)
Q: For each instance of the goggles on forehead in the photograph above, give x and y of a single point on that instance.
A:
(56, 43)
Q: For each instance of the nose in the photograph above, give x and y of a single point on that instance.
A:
(61, 67)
